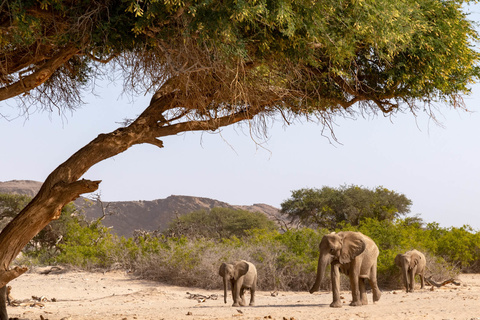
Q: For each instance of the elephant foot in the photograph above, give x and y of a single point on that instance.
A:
(356, 303)
(376, 295)
(252, 304)
(235, 305)
(336, 304)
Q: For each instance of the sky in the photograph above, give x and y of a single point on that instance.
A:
(437, 166)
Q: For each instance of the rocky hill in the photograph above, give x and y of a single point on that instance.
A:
(27, 187)
(127, 216)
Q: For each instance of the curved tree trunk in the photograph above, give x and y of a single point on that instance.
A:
(63, 185)
(3, 303)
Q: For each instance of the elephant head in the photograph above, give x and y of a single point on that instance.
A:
(231, 272)
(407, 261)
(341, 248)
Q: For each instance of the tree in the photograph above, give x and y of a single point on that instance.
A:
(218, 223)
(329, 207)
(209, 64)
(11, 205)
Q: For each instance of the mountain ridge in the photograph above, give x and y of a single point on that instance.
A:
(125, 217)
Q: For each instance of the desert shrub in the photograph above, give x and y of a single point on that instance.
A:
(86, 245)
(179, 261)
(460, 246)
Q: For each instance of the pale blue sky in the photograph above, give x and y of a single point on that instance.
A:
(438, 168)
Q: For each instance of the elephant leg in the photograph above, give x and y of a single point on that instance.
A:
(422, 281)
(242, 297)
(373, 283)
(354, 286)
(335, 275)
(252, 292)
(235, 294)
(412, 279)
(363, 291)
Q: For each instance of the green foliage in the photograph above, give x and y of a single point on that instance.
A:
(316, 55)
(329, 207)
(459, 245)
(218, 223)
(86, 244)
(10, 206)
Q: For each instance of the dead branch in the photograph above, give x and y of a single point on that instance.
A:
(440, 284)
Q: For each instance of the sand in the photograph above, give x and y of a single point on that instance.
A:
(118, 295)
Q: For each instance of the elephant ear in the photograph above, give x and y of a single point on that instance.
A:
(353, 245)
(414, 259)
(241, 268)
(222, 269)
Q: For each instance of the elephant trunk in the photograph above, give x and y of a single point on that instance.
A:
(225, 289)
(323, 261)
(405, 270)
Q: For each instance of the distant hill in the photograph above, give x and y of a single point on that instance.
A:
(27, 187)
(128, 216)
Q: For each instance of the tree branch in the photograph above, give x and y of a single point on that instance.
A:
(23, 85)
(9, 275)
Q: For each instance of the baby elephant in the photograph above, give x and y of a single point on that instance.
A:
(242, 275)
(411, 263)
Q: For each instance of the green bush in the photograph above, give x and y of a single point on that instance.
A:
(86, 245)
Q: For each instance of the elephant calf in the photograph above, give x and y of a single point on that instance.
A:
(241, 275)
(411, 263)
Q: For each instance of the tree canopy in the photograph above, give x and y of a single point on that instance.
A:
(227, 57)
(209, 64)
(330, 207)
(218, 223)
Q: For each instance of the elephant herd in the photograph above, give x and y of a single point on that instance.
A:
(351, 253)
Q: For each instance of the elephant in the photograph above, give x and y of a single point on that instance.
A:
(411, 263)
(242, 275)
(353, 254)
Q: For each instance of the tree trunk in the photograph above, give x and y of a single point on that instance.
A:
(63, 185)
(3, 303)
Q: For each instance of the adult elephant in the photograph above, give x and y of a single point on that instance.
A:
(242, 275)
(353, 254)
(411, 263)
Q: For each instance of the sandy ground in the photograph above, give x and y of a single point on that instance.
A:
(119, 296)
